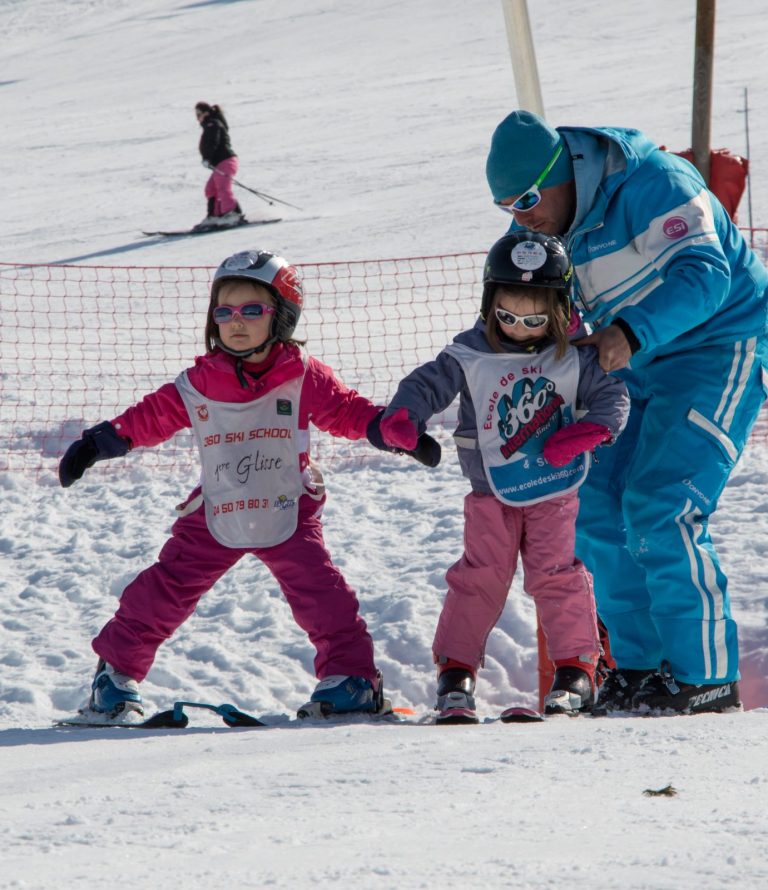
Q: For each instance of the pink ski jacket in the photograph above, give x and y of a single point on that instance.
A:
(325, 400)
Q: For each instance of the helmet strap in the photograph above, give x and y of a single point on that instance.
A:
(567, 307)
(529, 345)
(241, 354)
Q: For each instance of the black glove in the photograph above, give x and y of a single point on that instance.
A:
(100, 442)
(427, 450)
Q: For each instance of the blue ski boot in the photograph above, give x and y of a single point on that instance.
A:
(341, 694)
(114, 694)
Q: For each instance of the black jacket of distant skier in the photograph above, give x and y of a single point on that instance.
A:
(214, 143)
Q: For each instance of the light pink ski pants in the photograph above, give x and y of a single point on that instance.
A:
(543, 535)
(219, 186)
(163, 596)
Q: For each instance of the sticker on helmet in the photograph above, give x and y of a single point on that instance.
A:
(528, 255)
(244, 260)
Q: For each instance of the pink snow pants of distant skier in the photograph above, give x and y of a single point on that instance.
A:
(219, 186)
(163, 596)
(543, 534)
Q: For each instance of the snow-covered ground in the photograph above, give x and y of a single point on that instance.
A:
(374, 118)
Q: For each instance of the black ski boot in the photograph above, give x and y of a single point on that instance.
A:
(618, 689)
(455, 697)
(662, 694)
(571, 693)
(210, 217)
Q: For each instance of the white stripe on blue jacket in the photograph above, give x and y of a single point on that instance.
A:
(653, 246)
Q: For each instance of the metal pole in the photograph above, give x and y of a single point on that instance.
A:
(749, 177)
(702, 85)
(270, 199)
(521, 51)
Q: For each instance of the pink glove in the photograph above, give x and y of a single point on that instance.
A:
(561, 447)
(398, 431)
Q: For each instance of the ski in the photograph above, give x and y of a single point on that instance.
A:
(206, 230)
(521, 715)
(175, 718)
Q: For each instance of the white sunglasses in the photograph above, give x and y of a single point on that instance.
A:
(529, 321)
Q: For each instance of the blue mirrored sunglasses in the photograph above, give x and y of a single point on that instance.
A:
(248, 312)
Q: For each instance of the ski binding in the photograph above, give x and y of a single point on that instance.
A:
(521, 715)
(321, 710)
(456, 716)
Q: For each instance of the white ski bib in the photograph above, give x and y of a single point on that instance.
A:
(249, 454)
(520, 400)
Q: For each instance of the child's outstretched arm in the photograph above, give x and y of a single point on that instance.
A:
(100, 442)
(156, 418)
(422, 448)
(333, 407)
(426, 391)
(340, 411)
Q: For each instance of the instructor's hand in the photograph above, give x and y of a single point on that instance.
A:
(613, 347)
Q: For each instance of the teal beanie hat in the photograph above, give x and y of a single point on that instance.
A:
(521, 147)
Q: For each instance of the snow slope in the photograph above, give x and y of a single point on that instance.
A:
(374, 118)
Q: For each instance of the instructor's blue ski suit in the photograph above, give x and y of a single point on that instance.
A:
(652, 246)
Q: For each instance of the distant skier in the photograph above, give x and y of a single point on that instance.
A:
(249, 400)
(217, 154)
(522, 446)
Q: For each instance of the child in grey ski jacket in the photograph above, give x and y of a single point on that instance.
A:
(532, 407)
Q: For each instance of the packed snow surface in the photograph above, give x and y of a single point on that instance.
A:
(374, 118)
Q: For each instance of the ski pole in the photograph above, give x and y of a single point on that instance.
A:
(270, 199)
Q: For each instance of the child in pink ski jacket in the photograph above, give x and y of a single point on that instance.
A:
(249, 401)
(525, 450)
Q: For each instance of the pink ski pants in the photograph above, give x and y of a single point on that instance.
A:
(219, 186)
(163, 596)
(543, 535)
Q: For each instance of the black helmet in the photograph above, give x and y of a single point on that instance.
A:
(527, 258)
(274, 273)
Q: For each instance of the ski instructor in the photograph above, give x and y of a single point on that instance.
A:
(677, 303)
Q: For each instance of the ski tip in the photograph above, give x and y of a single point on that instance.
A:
(235, 718)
